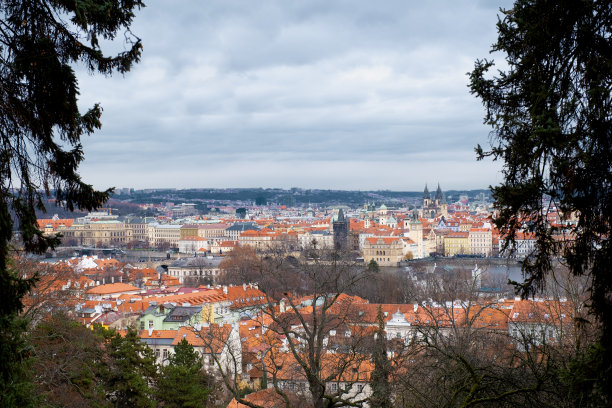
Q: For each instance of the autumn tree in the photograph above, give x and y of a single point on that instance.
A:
(41, 127)
(239, 266)
(551, 127)
(67, 363)
(54, 289)
(459, 353)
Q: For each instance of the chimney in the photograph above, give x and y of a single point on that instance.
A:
(225, 289)
(244, 286)
(150, 331)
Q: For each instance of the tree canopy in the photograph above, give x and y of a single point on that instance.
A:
(40, 123)
(551, 115)
(182, 383)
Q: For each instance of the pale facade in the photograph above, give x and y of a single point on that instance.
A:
(159, 233)
(99, 233)
(387, 251)
(481, 241)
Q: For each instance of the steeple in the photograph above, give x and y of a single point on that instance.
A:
(426, 195)
(340, 216)
(439, 193)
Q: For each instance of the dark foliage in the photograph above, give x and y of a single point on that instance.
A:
(67, 364)
(41, 127)
(182, 382)
(381, 389)
(130, 371)
(551, 114)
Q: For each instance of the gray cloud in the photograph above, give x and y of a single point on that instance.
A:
(342, 94)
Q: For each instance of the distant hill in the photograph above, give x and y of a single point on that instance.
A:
(289, 197)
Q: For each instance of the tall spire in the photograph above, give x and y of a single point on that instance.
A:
(426, 193)
(439, 195)
(340, 216)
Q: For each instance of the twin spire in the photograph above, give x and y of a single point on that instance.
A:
(439, 196)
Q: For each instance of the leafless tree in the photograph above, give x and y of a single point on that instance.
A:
(462, 355)
(312, 344)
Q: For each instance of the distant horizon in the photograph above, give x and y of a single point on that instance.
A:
(431, 190)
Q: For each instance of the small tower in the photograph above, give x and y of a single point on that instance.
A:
(416, 233)
(341, 231)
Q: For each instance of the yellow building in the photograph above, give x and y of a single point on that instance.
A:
(457, 243)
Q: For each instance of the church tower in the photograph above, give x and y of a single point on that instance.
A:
(439, 196)
(426, 197)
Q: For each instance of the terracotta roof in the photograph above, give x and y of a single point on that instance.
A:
(382, 240)
(211, 338)
(112, 288)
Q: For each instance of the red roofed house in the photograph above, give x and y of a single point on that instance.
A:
(111, 290)
(54, 225)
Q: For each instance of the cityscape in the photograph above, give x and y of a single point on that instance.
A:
(188, 270)
(313, 204)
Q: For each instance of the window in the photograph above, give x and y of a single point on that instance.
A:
(334, 387)
(359, 387)
(165, 355)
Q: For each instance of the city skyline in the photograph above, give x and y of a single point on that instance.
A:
(330, 96)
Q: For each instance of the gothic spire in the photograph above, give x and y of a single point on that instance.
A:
(439, 195)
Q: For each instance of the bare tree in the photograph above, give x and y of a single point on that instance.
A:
(461, 352)
(55, 290)
(311, 344)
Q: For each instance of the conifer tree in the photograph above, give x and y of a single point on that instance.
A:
(131, 371)
(182, 383)
(381, 389)
(40, 131)
(550, 113)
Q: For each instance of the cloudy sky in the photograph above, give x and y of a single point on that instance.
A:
(342, 94)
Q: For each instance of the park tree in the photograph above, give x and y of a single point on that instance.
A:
(41, 127)
(182, 383)
(309, 315)
(67, 363)
(550, 112)
(240, 266)
(381, 388)
(130, 373)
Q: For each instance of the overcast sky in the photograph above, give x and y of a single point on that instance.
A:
(334, 94)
